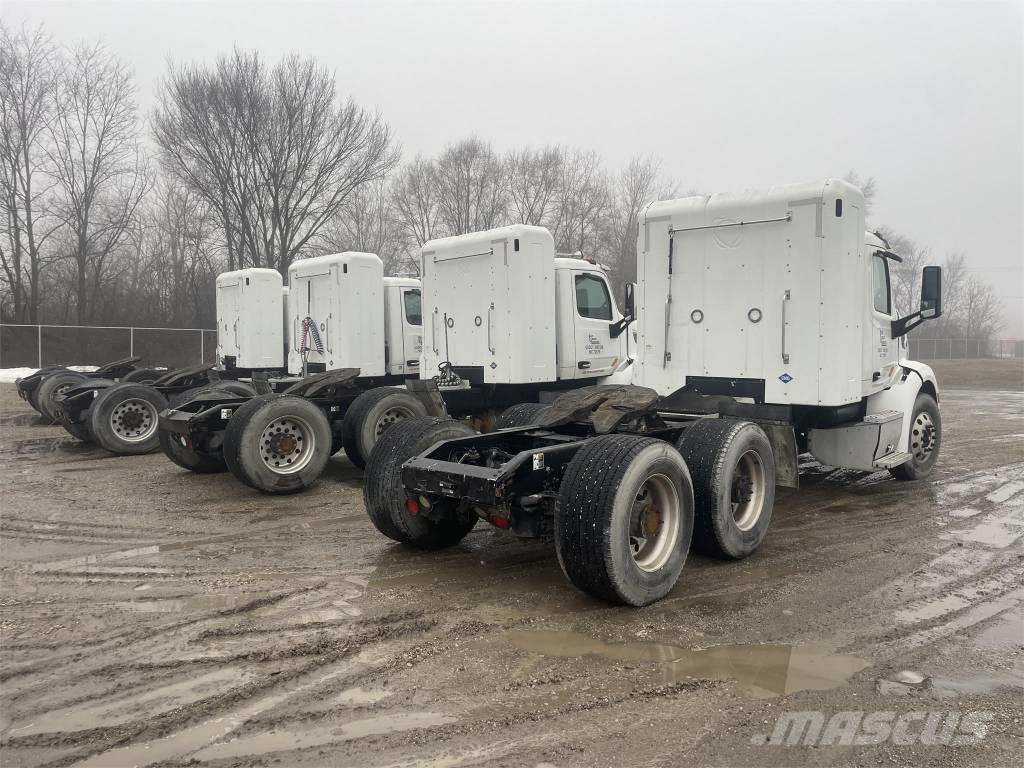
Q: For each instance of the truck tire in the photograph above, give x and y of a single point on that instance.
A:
(56, 383)
(189, 458)
(371, 414)
(925, 440)
(239, 388)
(142, 376)
(624, 519)
(385, 498)
(124, 419)
(521, 415)
(733, 470)
(277, 443)
(80, 429)
(33, 395)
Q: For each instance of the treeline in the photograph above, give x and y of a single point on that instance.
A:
(115, 218)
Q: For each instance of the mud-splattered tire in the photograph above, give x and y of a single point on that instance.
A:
(188, 458)
(733, 470)
(124, 419)
(78, 430)
(624, 519)
(277, 443)
(371, 414)
(384, 496)
(54, 384)
(925, 440)
(521, 415)
(33, 395)
(142, 376)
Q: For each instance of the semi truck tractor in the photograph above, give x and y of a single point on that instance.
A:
(121, 416)
(505, 322)
(349, 329)
(765, 330)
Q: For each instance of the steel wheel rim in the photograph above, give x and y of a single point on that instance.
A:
(287, 445)
(654, 522)
(922, 437)
(390, 417)
(748, 491)
(134, 420)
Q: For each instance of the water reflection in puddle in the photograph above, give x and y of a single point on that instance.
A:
(762, 670)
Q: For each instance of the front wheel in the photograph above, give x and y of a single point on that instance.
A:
(277, 443)
(384, 496)
(925, 440)
(624, 519)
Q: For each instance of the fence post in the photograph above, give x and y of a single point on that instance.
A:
(39, 344)
(202, 348)
(131, 341)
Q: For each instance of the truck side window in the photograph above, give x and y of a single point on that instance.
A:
(413, 310)
(592, 298)
(880, 281)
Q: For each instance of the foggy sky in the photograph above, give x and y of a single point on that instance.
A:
(927, 97)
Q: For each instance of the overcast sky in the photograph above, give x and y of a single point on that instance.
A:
(927, 97)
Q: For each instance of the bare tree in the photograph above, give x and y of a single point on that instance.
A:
(639, 183)
(583, 201)
(27, 79)
(534, 177)
(272, 151)
(367, 222)
(414, 197)
(98, 167)
(470, 186)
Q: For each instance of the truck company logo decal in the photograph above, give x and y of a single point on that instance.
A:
(785, 378)
(493, 365)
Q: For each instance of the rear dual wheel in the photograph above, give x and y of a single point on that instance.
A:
(176, 446)
(124, 419)
(373, 413)
(56, 383)
(277, 443)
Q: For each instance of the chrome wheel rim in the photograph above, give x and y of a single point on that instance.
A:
(748, 491)
(390, 417)
(287, 445)
(922, 437)
(134, 420)
(654, 523)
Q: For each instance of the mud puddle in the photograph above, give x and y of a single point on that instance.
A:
(763, 671)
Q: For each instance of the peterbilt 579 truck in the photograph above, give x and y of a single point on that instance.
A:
(765, 329)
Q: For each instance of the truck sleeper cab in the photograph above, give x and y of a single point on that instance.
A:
(765, 330)
(505, 323)
(349, 329)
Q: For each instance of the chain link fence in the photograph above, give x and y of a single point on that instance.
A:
(34, 346)
(948, 349)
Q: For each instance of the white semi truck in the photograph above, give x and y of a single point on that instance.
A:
(349, 329)
(505, 323)
(765, 329)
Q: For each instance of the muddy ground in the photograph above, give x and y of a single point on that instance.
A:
(154, 617)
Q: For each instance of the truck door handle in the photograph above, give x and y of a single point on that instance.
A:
(876, 375)
(785, 304)
(583, 364)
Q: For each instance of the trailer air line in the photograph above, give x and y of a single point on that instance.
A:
(667, 357)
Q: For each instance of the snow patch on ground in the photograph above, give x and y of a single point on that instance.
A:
(8, 375)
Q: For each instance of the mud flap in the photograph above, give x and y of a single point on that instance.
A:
(787, 462)
(426, 391)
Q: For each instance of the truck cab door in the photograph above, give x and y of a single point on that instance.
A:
(881, 352)
(412, 329)
(597, 353)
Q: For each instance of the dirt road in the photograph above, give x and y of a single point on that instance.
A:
(154, 617)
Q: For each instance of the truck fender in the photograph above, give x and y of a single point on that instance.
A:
(917, 377)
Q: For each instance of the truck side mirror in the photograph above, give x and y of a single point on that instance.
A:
(628, 314)
(931, 303)
(931, 292)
